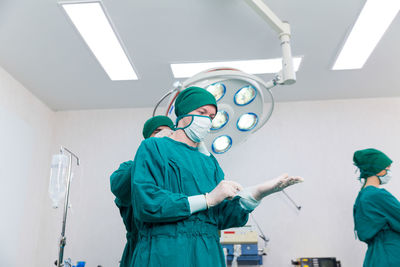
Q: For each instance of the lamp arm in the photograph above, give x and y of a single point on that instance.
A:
(283, 30)
(269, 16)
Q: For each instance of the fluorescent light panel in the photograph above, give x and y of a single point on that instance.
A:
(258, 66)
(373, 21)
(95, 28)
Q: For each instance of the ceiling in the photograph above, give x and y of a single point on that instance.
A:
(41, 49)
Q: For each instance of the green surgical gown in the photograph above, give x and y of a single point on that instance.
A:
(165, 172)
(120, 182)
(377, 223)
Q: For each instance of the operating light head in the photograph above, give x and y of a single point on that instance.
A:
(245, 95)
(218, 90)
(247, 121)
(244, 103)
(220, 120)
(221, 144)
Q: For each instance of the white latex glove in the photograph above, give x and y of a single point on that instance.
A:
(271, 186)
(225, 189)
(164, 132)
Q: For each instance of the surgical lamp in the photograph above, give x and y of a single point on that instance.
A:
(245, 102)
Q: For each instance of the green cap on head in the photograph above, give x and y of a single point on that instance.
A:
(192, 98)
(153, 123)
(371, 162)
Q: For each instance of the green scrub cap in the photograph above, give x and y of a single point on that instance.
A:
(153, 123)
(370, 162)
(192, 98)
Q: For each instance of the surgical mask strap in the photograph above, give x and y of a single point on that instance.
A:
(198, 128)
(181, 117)
(386, 174)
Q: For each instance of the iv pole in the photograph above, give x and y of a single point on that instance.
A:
(63, 239)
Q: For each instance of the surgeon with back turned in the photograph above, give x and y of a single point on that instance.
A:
(376, 211)
(180, 199)
(120, 182)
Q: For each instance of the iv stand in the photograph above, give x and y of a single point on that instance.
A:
(63, 239)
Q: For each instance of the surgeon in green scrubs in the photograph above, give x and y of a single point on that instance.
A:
(120, 182)
(377, 212)
(179, 196)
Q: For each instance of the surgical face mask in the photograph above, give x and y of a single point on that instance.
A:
(385, 178)
(203, 149)
(198, 129)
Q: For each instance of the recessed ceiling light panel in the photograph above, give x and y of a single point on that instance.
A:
(96, 30)
(373, 21)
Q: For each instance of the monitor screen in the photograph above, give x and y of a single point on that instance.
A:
(327, 262)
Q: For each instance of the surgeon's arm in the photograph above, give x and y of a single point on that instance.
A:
(150, 201)
(230, 212)
(120, 182)
(391, 207)
(235, 213)
(258, 192)
(224, 190)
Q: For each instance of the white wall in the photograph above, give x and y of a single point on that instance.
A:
(102, 139)
(313, 139)
(26, 131)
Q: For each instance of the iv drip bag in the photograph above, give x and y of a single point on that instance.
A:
(57, 184)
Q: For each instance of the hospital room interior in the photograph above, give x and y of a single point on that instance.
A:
(299, 87)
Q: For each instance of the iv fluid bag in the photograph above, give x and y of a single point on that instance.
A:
(57, 184)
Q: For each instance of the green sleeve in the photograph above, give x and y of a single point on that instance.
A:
(230, 212)
(151, 201)
(120, 182)
(391, 207)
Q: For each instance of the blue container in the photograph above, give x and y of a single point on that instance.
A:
(80, 264)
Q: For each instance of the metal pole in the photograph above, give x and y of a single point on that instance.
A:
(283, 29)
(291, 200)
(177, 87)
(63, 239)
(288, 74)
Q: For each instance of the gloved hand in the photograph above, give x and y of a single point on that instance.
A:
(271, 186)
(225, 189)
